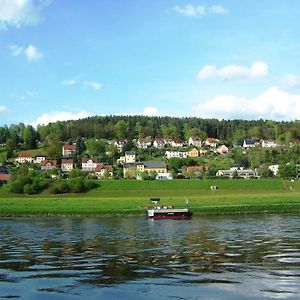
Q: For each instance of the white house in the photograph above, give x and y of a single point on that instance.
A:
(24, 157)
(102, 170)
(129, 156)
(211, 142)
(163, 176)
(89, 164)
(268, 144)
(178, 154)
(177, 143)
(67, 165)
(39, 158)
(120, 145)
(248, 143)
(195, 141)
(159, 143)
(69, 150)
(245, 174)
(144, 143)
(48, 164)
(274, 169)
(222, 149)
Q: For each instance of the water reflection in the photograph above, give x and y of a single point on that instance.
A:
(251, 257)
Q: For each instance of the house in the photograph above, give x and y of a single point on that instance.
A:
(144, 143)
(24, 157)
(89, 164)
(211, 142)
(103, 170)
(146, 166)
(48, 164)
(268, 144)
(178, 154)
(192, 153)
(39, 158)
(129, 156)
(177, 143)
(4, 178)
(274, 169)
(245, 174)
(195, 141)
(164, 176)
(120, 144)
(248, 143)
(222, 149)
(159, 143)
(168, 142)
(155, 166)
(67, 165)
(69, 150)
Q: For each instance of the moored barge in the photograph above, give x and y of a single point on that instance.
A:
(167, 212)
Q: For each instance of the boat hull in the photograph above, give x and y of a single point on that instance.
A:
(176, 214)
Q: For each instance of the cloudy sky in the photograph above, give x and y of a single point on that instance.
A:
(228, 59)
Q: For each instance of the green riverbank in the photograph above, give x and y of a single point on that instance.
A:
(131, 198)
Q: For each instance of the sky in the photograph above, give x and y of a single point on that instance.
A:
(224, 59)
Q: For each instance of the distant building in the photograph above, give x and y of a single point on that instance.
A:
(222, 149)
(67, 165)
(177, 143)
(146, 166)
(144, 143)
(159, 143)
(245, 174)
(24, 157)
(248, 143)
(89, 164)
(103, 170)
(39, 158)
(69, 150)
(195, 141)
(120, 145)
(48, 164)
(211, 142)
(178, 154)
(192, 153)
(269, 144)
(274, 169)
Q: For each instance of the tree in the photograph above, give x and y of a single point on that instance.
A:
(121, 129)
(80, 145)
(30, 137)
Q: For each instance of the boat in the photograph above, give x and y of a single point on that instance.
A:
(159, 212)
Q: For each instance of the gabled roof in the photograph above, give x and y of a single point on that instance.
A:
(67, 161)
(5, 177)
(129, 153)
(249, 142)
(100, 167)
(211, 140)
(195, 138)
(51, 162)
(177, 141)
(154, 164)
(85, 160)
(24, 154)
(70, 147)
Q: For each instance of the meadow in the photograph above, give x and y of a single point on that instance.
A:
(122, 197)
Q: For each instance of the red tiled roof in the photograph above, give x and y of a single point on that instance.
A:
(24, 154)
(52, 162)
(5, 177)
(70, 147)
(85, 160)
(211, 140)
(100, 167)
(67, 161)
(177, 141)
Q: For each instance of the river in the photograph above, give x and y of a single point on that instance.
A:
(220, 257)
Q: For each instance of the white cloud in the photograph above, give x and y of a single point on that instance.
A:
(291, 81)
(234, 72)
(274, 103)
(218, 9)
(200, 10)
(32, 53)
(19, 13)
(190, 10)
(3, 109)
(54, 116)
(16, 50)
(69, 82)
(150, 111)
(93, 85)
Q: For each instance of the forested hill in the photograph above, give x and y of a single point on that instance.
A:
(130, 127)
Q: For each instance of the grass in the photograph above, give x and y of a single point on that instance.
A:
(130, 197)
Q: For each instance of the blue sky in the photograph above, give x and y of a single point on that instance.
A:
(228, 59)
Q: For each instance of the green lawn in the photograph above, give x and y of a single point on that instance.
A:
(131, 197)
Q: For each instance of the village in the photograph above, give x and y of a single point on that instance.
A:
(128, 165)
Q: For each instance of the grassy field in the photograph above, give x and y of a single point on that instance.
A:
(131, 197)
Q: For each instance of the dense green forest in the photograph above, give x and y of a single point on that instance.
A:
(22, 136)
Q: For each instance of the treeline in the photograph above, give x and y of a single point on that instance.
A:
(22, 136)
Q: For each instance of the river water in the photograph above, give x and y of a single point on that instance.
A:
(225, 257)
